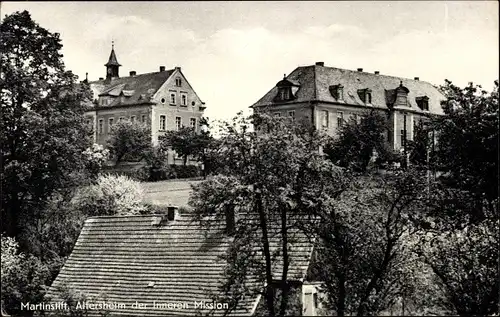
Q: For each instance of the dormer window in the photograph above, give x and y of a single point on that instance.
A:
(337, 92)
(365, 95)
(423, 103)
(286, 90)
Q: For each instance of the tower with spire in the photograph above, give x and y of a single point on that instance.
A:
(112, 66)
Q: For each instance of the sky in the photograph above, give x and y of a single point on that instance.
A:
(233, 53)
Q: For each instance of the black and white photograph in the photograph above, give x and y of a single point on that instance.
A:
(249, 158)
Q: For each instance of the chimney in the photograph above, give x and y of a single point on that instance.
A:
(162, 68)
(416, 78)
(320, 64)
(86, 77)
(230, 219)
(101, 78)
(360, 69)
(377, 72)
(132, 73)
(178, 67)
(172, 212)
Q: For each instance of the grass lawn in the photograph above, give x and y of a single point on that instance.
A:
(170, 192)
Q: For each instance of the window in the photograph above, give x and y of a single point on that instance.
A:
(163, 100)
(423, 103)
(143, 118)
(403, 137)
(172, 98)
(178, 123)
(284, 94)
(337, 92)
(178, 82)
(365, 95)
(121, 119)
(355, 117)
(192, 123)
(291, 115)
(110, 124)
(101, 126)
(340, 119)
(88, 122)
(324, 119)
(163, 123)
(183, 100)
(276, 114)
(132, 119)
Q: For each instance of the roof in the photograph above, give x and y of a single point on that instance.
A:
(112, 61)
(118, 256)
(315, 82)
(132, 90)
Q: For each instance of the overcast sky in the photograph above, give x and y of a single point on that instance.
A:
(232, 53)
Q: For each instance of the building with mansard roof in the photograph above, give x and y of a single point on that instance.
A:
(164, 100)
(329, 96)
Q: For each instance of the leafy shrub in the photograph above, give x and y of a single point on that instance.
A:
(156, 167)
(23, 277)
(95, 157)
(111, 195)
(185, 171)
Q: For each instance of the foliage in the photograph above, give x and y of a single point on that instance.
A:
(43, 129)
(129, 141)
(460, 224)
(111, 195)
(186, 142)
(272, 182)
(469, 133)
(95, 157)
(361, 241)
(156, 165)
(23, 277)
(357, 143)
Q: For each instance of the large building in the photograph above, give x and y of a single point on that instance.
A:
(329, 96)
(164, 100)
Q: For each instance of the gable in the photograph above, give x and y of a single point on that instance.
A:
(171, 86)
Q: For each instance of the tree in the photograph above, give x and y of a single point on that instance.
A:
(129, 141)
(271, 182)
(362, 234)
(185, 142)
(43, 128)
(461, 222)
(357, 141)
(23, 276)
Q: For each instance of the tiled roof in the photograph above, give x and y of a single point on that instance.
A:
(315, 82)
(119, 256)
(131, 90)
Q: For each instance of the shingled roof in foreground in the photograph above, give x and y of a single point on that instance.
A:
(131, 258)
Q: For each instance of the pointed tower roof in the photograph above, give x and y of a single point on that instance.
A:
(112, 57)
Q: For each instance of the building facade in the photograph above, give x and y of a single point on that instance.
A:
(162, 100)
(328, 97)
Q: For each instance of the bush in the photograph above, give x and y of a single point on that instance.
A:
(156, 167)
(95, 157)
(185, 171)
(111, 195)
(23, 277)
